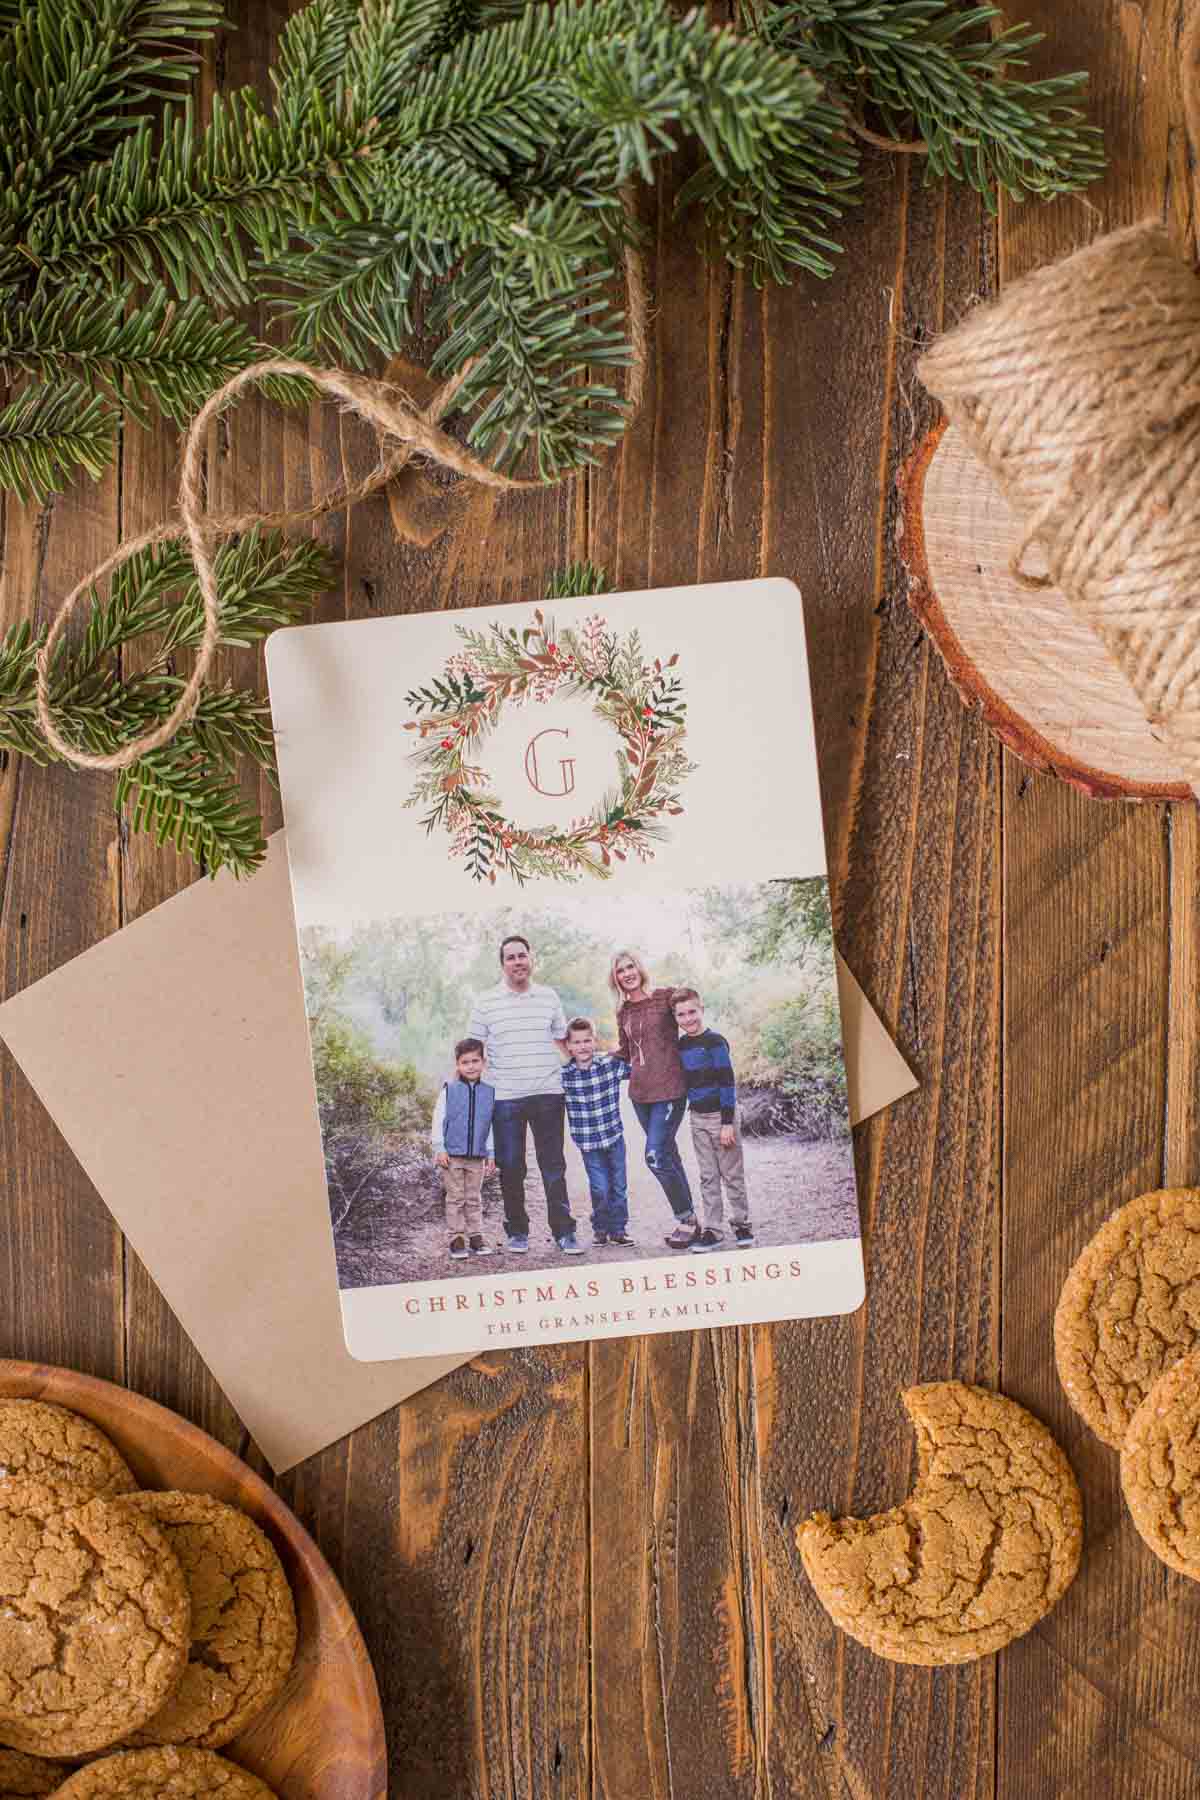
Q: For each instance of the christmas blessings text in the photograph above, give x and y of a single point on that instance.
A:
(702, 1285)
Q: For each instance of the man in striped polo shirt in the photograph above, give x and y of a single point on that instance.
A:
(524, 1030)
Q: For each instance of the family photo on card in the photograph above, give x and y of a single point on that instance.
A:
(576, 1007)
(566, 1093)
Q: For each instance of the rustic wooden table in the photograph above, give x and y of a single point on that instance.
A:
(575, 1568)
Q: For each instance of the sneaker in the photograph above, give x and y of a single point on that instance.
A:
(744, 1234)
(707, 1240)
(685, 1233)
(599, 1239)
(458, 1248)
(569, 1244)
(518, 1241)
(621, 1237)
(479, 1248)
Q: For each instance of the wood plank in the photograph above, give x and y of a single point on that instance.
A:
(58, 895)
(1096, 1102)
(919, 916)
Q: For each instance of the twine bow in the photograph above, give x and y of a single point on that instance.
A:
(404, 431)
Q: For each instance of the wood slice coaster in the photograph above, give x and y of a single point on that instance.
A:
(1040, 676)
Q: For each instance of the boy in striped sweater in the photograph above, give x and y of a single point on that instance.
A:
(712, 1110)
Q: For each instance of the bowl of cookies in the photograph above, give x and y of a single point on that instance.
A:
(168, 1628)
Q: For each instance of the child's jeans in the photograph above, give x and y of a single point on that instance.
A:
(717, 1166)
(463, 1182)
(609, 1188)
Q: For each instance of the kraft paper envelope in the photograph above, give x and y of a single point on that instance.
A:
(174, 1058)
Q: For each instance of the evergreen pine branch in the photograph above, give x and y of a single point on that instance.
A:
(152, 349)
(506, 95)
(312, 56)
(72, 75)
(577, 579)
(180, 210)
(178, 796)
(18, 720)
(350, 289)
(231, 723)
(48, 433)
(533, 377)
(264, 583)
(934, 67)
(390, 39)
(777, 216)
(183, 209)
(347, 293)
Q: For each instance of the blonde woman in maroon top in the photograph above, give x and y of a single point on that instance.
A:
(649, 1043)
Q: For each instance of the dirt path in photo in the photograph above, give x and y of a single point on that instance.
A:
(799, 1193)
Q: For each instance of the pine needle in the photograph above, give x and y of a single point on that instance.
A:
(48, 433)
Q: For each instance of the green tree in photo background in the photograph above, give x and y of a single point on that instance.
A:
(372, 1108)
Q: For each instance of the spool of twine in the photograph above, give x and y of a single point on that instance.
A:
(1079, 389)
(404, 431)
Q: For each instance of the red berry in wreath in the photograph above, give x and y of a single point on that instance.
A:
(447, 743)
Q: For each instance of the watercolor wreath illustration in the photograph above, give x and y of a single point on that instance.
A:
(641, 699)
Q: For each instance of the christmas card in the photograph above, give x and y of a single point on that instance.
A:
(560, 888)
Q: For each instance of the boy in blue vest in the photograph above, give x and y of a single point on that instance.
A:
(712, 1111)
(462, 1147)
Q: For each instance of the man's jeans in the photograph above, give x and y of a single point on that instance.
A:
(660, 1120)
(610, 1190)
(546, 1114)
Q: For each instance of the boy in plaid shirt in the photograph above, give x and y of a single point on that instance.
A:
(592, 1085)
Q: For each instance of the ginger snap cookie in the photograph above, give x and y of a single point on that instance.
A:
(94, 1617)
(29, 1777)
(243, 1620)
(1160, 1466)
(43, 1442)
(984, 1546)
(1129, 1308)
(164, 1773)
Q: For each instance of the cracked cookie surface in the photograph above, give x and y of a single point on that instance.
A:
(243, 1620)
(43, 1442)
(166, 1773)
(1160, 1467)
(986, 1543)
(29, 1777)
(94, 1617)
(1130, 1308)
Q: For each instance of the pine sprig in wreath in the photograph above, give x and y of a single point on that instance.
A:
(643, 701)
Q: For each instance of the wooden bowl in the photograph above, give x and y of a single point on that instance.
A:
(322, 1737)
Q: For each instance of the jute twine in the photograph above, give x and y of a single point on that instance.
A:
(404, 431)
(1079, 389)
